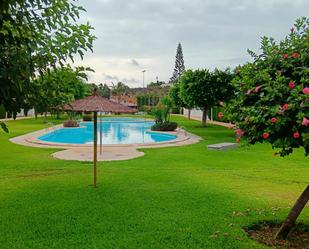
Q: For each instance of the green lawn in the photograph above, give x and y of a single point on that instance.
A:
(181, 197)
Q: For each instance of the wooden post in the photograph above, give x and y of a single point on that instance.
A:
(95, 144)
(101, 130)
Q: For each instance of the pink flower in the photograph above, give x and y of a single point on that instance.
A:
(296, 135)
(306, 90)
(274, 120)
(239, 132)
(291, 84)
(285, 107)
(305, 122)
(220, 115)
(296, 55)
(285, 56)
(265, 135)
(292, 30)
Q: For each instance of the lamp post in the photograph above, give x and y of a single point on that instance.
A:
(144, 78)
(101, 131)
(144, 90)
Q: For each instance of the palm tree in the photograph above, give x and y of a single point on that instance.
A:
(119, 89)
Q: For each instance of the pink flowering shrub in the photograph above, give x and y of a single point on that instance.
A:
(272, 97)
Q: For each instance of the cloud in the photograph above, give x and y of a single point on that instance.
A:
(212, 33)
(134, 63)
(132, 81)
(110, 77)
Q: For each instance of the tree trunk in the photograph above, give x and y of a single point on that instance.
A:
(189, 114)
(45, 117)
(293, 215)
(35, 114)
(204, 117)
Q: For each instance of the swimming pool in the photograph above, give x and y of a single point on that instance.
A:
(114, 131)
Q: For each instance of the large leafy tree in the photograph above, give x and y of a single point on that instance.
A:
(271, 103)
(35, 36)
(197, 89)
(223, 80)
(174, 94)
(179, 65)
(57, 87)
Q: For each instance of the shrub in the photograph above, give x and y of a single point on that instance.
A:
(272, 93)
(164, 126)
(272, 101)
(162, 116)
(70, 123)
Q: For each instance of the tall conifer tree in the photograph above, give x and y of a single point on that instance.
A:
(179, 65)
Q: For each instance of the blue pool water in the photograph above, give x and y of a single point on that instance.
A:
(115, 131)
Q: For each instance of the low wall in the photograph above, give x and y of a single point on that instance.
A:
(196, 114)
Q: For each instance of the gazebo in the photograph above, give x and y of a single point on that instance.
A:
(95, 104)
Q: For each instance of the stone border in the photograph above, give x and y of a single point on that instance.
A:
(83, 152)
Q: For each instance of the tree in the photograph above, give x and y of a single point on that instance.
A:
(58, 87)
(102, 89)
(223, 80)
(34, 37)
(174, 94)
(146, 101)
(271, 102)
(157, 84)
(119, 89)
(179, 65)
(198, 90)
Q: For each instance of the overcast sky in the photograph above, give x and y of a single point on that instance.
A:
(133, 35)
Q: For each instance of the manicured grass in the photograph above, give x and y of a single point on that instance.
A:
(180, 197)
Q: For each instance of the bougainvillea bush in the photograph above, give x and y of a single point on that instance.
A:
(272, 97)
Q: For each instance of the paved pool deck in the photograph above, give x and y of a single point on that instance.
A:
(84, 152)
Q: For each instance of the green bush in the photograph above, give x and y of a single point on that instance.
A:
(162, 116)
(70, 123)
(165, 126)
(271, 102)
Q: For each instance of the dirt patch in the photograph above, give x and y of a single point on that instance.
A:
(265, 232)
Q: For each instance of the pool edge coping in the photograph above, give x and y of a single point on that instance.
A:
(67, 150)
